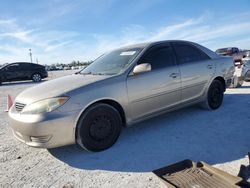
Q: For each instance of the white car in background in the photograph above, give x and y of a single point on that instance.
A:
(67, 68)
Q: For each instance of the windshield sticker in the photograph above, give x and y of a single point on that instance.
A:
(128, 53)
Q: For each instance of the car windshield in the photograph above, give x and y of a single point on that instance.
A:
(112, 63)
(3, 66)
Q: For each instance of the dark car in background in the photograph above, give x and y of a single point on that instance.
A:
(22, 71)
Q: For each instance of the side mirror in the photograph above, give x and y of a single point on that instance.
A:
(145, 67)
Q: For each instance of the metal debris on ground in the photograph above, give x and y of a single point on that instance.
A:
(186, 174)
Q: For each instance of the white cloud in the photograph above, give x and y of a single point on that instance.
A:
(6, 22)
(213, 32)
(195, 29)
(172, 30)
(63, 46)
(206, 30)
(11, 53)
(20, 35)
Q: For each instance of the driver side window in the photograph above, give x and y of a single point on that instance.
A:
(159, 57)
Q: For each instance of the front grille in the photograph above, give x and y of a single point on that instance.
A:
(19, 106)
(40, 139)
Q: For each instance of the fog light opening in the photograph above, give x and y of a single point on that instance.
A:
(40, 139)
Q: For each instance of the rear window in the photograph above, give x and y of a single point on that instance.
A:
(187, 53)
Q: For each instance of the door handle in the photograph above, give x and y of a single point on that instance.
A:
(174, 75)
(209, 66)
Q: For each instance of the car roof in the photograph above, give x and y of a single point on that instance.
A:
(152, 43)
(25, 63)
(209, 52)
(20, 62)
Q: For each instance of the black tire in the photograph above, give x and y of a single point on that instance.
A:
(99, 127)
(36, 77)
(215, 96)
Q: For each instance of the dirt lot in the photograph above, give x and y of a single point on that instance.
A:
(220, 138)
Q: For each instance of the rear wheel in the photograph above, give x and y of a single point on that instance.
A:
(99, 127)
(36, 77)
(215, 96)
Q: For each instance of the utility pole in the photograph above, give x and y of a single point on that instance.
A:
(30, 55)
(36, 61)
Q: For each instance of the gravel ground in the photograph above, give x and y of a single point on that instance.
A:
(220, 138)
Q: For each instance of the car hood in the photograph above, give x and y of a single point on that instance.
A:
(57, 87)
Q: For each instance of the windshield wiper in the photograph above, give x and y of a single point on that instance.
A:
(83, 73)
(98, 73)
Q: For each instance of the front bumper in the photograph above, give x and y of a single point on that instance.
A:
(47, 130)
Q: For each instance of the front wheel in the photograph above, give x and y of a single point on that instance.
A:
(99, 127)
(215, 96)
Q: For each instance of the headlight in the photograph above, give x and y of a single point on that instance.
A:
(43, 106)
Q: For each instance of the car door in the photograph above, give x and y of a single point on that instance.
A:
(196, 69)
(12, 72)
(157, 89)
(25, 69)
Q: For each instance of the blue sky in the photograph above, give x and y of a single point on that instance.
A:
(59, 31)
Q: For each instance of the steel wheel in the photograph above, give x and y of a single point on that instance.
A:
(215, 95)
(99, 127)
